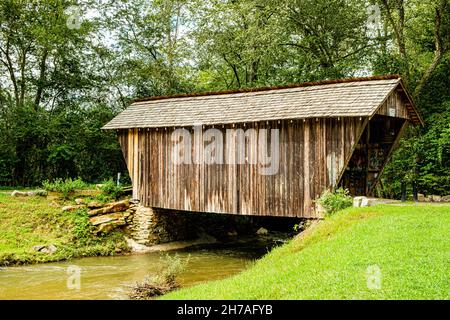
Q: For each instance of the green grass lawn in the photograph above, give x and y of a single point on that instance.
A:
(336, 259)
(29, 221)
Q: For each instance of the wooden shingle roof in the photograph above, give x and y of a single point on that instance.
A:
(340, 98)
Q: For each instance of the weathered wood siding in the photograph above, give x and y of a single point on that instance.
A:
(394, 106)
(312, 152)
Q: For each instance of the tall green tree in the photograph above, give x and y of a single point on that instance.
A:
(420, 37)
(332, 34)
(149, 55)
(47, 72)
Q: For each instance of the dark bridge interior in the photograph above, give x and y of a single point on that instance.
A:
(371, 154)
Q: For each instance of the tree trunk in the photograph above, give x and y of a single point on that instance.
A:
(399, 32)
(41, 80)
(441, 46)
(403, 188)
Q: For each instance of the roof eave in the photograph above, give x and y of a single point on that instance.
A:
(411, 101)
(106, 127)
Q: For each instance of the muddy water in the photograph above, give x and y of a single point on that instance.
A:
(111, 277)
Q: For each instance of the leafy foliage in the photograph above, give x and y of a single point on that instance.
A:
(112, 190)
(333, 201)
(65, 187)
(52, 98)
(83, 229)
(164, 282)
(423, 155)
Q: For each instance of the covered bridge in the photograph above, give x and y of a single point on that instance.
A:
(266, 151)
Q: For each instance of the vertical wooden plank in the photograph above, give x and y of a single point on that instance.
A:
(306, 170)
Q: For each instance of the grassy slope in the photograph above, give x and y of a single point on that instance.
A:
(25, 222)
(410, 244)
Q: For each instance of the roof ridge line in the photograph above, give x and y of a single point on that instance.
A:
(262, 89)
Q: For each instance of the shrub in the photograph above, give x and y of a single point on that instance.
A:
(40, 193)
(101, 198)
(65, 187)
(164, 282)
(82, 228)
(112, 190)
(302, 225)
(336, 200)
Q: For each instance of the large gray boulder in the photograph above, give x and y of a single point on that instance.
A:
(17, 193)
(80, 201)
(262, 231)
(360, 202)
(50, 249)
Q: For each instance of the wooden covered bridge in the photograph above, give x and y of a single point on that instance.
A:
(267, 151)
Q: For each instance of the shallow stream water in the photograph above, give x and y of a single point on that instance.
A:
(112, 277)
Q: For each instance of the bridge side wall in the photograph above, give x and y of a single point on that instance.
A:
(312, 155)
